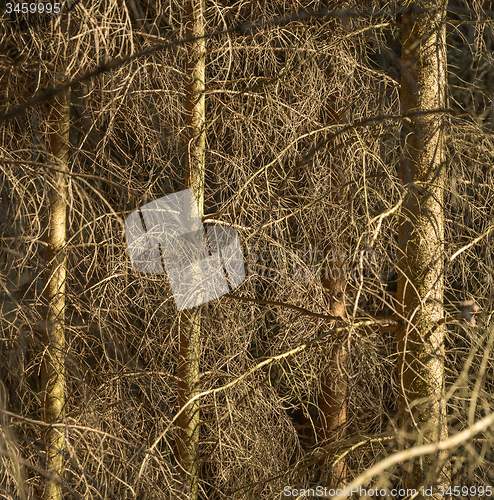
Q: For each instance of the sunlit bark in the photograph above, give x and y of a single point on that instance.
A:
(190, 320)
(53, 374)
(421, 248)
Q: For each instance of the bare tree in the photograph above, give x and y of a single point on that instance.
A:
(333, 401)
(291, 394)
(421, 236)
(53, 373)
(190, 320)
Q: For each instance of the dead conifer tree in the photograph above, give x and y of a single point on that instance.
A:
(190, 320)
(53, 373)
(333, 403)
(421, 235)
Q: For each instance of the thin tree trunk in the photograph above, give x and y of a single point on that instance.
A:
(190, 320)
(53, 373)
(421, 249)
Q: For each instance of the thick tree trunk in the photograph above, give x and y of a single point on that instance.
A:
(190, 320)
(421, 249)
(53, 373)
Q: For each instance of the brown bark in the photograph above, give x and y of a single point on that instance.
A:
(421, 250)
(333, 399)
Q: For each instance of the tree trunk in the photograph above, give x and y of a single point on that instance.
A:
(190, 320)
(333, 399)
(53, 372)
(334, 384)
(421, 250)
